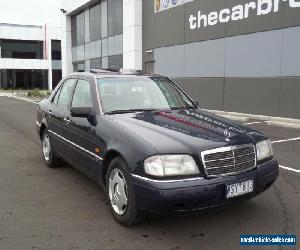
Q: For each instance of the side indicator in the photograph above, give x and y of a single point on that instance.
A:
(97, 150)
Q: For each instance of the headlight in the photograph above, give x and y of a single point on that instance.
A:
(264, 150)
(170, 165)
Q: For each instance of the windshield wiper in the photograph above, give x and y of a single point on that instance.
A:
(124, 111)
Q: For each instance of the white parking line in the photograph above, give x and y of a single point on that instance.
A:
(290, 169)
(287, 140)
(250, 123)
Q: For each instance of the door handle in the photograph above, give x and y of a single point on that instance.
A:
(67, 120)
(50, 112)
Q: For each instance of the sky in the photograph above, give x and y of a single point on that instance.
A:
(36, 12)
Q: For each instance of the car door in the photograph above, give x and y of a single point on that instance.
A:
(59, 118)
(83, 131)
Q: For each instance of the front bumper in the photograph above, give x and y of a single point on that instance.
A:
(198, 193)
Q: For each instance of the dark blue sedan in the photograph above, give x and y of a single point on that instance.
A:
(150, 146)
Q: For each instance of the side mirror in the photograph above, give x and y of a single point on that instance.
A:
(83, 112)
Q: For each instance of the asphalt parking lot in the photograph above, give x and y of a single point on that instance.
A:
(42, 208)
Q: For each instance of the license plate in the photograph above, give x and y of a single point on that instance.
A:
(238, 189)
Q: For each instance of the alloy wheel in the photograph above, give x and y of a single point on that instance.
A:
(117, 190)
(46, 147)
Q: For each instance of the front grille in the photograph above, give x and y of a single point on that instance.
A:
(229, 160)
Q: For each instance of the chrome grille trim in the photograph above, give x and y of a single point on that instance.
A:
(242, 159)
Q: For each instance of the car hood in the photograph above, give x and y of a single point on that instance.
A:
(185, 131)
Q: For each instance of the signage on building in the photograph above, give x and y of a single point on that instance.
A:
(160, 5)
(238, 12)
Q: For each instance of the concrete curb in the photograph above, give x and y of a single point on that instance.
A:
(283, 124)
(18, 97)
(6, 94)
(235, 118)
(270, 120)
(25, 99)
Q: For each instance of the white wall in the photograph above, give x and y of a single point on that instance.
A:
(66, 46)
(9, 63)
(21, 33)
(132, 34)
(37, 33)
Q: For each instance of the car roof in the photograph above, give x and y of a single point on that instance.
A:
(100, 73)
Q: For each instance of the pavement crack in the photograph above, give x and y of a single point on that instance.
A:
(289, 183)
(288, 224)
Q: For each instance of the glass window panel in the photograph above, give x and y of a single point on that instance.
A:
(115, 62)
(103, 18)
(87, 26)
(141, 92)
(56, 49)
(73, 31)
(80, 52)
(65, 93)
(95, 23)
(104, 62)
(119, 44)
(111, 46)
(115, 17)
(110, 17)
(82, 94)
(92, 50)
(79, 67)
(80, 28)
(96, 63)
(21, 49)
(118, 17)
(98, 48)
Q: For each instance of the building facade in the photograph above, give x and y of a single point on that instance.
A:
(30, 56)
(232, 55)
(102, 34)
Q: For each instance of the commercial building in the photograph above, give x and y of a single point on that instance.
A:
(30, 56)
(233, 55)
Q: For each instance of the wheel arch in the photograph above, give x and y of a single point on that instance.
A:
(42, 129)
(109, 156)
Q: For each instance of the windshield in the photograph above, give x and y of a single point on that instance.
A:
(134, 93)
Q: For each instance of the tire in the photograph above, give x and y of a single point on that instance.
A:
(117, 176)
(49, 156)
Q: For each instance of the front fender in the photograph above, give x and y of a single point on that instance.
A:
(124, 142)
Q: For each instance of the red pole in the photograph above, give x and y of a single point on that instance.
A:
(45, 43)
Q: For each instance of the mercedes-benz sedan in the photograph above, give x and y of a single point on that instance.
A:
(150, 146)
